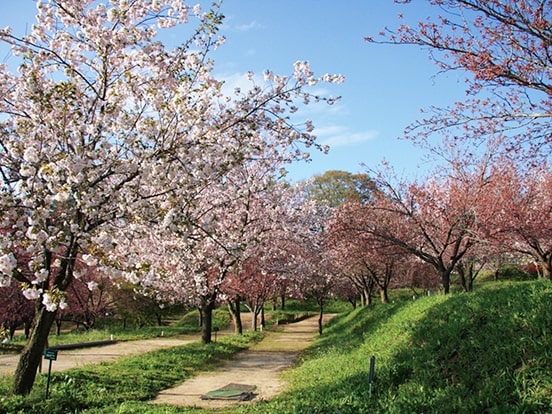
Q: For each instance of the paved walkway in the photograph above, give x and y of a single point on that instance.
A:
(67, 359)
(260, 366)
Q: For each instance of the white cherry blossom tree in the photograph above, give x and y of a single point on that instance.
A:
(102, 125)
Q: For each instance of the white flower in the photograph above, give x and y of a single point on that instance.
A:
(8, 263)
(32, 293)
(168, 220)
(89, 260)
(62, 195)
(92, 285)
(31, 155)
(41, 276)
(47, 301)
(26, 171)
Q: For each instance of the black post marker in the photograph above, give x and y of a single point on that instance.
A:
(371, 374)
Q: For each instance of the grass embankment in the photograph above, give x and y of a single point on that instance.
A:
(485, 352)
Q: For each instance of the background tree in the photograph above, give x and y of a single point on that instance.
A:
(89, 298)
(336, 187)
(15, 310)
(435, 220)
(369, 261)
(254, 286)
(504, 46)
(309, 264)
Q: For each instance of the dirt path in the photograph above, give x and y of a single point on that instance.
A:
(67, 359)
(260, 366)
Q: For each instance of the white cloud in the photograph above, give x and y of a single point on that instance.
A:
(234, 80)
(339, 136)
(231, 25)
(247, 27)
(331, 135)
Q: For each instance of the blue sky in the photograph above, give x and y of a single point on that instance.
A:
(385, 86)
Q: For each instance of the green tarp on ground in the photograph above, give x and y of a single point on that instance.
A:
(238, 392)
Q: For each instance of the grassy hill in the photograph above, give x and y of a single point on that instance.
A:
(485, 352)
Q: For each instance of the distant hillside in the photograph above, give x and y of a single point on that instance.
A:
(489, 351)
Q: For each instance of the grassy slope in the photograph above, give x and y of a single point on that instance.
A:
(489, 351)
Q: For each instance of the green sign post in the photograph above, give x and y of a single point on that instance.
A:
(51, 355)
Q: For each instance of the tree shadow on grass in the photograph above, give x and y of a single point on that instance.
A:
(485, 352)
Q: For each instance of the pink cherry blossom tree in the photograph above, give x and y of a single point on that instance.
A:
(88, 298)
(261, 275)
(15, 310)
(253, 286)
(435, 220)
(522, 198)
(368, 261)
(503, 46)
(309, 266)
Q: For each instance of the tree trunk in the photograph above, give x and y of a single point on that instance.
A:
(263, 321)
(200, 317)
(31, 355)
(206, 312)
(235, 313)
(367, 297)
(283, 299)
(470, 282)
(445, 280)
(254, 313)
(320, 316)
(27, 328)
(462, 275)
(547, 267)
(384, 296)
(11, 331)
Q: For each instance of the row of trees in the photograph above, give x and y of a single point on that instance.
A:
(460, 223)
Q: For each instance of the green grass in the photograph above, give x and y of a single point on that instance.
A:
(107, 387)
(489, 351)
(184, 325)
(486, 352)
